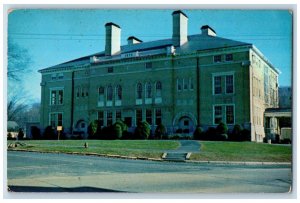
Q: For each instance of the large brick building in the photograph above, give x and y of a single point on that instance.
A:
(181, 82)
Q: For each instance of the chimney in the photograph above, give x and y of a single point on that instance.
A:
(206, 30)
(133, 40)
(112, 39)
(180, 27)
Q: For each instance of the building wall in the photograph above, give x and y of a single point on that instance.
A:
(184, 79)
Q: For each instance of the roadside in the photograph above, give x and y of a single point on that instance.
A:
(201, 152)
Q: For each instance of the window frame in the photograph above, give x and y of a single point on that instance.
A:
(226, 85)
(217, 58)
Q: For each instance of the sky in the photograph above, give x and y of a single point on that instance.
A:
(56, 36)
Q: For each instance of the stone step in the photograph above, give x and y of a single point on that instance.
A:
(175, 156)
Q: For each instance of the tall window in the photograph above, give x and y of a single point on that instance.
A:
(110, 69)
(53, 97)
(101, 118)
(139, 90)
(139, 115)
(109, 93)
(157, 116)
(56, 119)
(185, 84)
(101, 96)
(218, 114)
(109, 118)
(56, 96)
(148, 90)
(229, 115)
(217, 58)
(229, 83)
(118, 115)
(149, 116)
(179, 84)
(119, 92)
(217, 85)
(158, 89)
(228, 57)
(191, 84)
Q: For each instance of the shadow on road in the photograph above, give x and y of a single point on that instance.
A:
(57, 189)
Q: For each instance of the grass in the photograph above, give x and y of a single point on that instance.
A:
(209, 150)
(134, 148)
(242, 151)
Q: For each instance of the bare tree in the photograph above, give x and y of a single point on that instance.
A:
(18, 60)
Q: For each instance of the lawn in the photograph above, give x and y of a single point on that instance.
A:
(243, 151)
(133, 148)
(209, 150)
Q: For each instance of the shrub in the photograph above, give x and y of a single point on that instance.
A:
(175, 137)
(235, 135)
(119, 128)
(10, 137)
(210, 134)
(160, 132)
(179, 130)
(198, 133)
(49, 133)
(142, 131)
(20, 134)
(35, 132)
(92, 129)
(245, 135)
(106, 133)
(127, 135)
(221, 132)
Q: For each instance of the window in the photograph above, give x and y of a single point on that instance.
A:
(53, 97)
(185, 84)
(158, 89)
(217, 58)
(109, 93)
(157, 116)
(217, 85)
(119, 92)
(118, 115)
(139, 116)
(139, 90)
(56, 119)
(110, 69)
(148, 65)
(229, 84)
(229, 115)
(101, 118)
(101, 95)
(191, 84)
(109, 118)
(78, 92)
(60, 76)
(56, 97)
(179, 85)
(60, 96)
(218, 114)
(149, 116)
(53, 76)
(148, 90)
(82, 92)
(228, 57)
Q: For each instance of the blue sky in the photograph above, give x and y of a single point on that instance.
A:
(55, 36)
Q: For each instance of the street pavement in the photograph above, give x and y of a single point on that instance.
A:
(53, 172)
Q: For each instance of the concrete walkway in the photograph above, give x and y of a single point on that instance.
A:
(183, 152)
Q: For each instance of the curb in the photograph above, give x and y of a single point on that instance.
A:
(240, 163)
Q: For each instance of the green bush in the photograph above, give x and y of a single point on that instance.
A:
(245, 135)
(119, 128)
(235, 135)
(198, 133)
(210, 134)
(142, 131)
(49, 133)
(35, 133)
(92, 129)
(20, 134)
(160, 132)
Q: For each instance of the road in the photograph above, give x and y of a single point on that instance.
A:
(39, 172)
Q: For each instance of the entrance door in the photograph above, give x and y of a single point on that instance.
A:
(186, 124)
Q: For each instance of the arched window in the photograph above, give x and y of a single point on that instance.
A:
(109, 93)
(158, 89)
(148, 90)
(119, 92)
(101, 93)
(139, 90)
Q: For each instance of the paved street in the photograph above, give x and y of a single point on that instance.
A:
(29, 171)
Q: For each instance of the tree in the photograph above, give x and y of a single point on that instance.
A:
(142, 131)
(18, 61)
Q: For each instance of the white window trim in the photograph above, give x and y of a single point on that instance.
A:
(55, 89)
(233, 89)
(224, 113)
(56, 112)
(222, 74)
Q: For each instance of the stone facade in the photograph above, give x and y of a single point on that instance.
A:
(179, 86)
